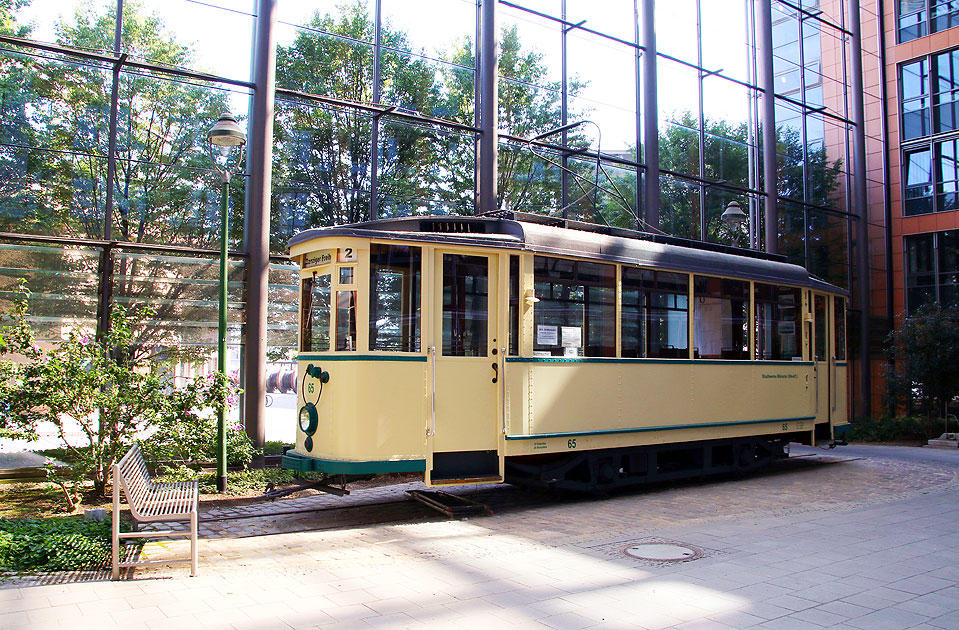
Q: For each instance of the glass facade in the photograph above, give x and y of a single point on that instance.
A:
(378, 112)
(932, 269)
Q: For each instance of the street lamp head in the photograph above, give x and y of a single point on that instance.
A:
(734, 216)
(225, 133)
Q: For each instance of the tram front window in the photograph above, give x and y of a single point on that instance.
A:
(465, 296)
(394, 298)
(315, 315)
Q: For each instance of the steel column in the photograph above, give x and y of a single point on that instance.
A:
(489, 117)
(768, 117)
(651, 110)
(861, 210)
(259, 163)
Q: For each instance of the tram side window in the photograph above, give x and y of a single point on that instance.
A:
(395, 298)
(720, 318)
(346, 320)
(315, 314)
(839, 312)
(819, 307)
(655, 319)
(576, 314)
(778, 325)
(513, 305)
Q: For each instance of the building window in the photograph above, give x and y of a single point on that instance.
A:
(932, 269)
(931, 178)
(916, 114)
(917, 18)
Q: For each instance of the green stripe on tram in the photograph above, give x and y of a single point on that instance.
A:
(643, 361)
(362, 357)
(305, 463)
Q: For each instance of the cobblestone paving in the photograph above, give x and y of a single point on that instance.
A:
(828, 540)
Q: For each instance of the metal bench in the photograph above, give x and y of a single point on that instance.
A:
(151, 502)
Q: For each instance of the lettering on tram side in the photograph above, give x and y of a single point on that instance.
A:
(765, 376)
(539, 446)
(317, 259)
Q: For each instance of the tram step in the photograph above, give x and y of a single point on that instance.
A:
(450, 504)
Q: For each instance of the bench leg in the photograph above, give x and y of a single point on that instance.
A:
(194, 517)
(115, 518)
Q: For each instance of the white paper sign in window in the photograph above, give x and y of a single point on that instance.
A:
(572, 337)
(546, 335)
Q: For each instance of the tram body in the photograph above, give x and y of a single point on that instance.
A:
(478, 350)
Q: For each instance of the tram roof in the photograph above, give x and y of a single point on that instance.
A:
(547, 235)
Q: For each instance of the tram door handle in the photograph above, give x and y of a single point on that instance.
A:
(495, 365)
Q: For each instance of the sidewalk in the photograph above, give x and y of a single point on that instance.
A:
(834, 541)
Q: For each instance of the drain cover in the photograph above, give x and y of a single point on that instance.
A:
(663, 552)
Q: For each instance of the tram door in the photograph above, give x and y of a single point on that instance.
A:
(823, 355)
(465, 370)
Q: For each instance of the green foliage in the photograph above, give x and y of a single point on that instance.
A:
(54, 544)
(922, 376)
(238, 483)
(186, 429)
(274, 447)
(899, 429)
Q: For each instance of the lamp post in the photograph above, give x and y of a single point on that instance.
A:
(225, 134)
(734, 217)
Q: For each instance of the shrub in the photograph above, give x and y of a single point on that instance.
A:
(240, 482)
(923, 371)
(54, 544)
(898, 429)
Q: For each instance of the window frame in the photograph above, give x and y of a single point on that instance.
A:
(936, 272)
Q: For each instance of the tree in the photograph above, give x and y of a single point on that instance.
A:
(922, 375)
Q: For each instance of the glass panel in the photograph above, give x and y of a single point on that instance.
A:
(946, 91)
(322, 167)
(346, 320)
(178, 33)
(465, 310)
(325, 14)
(918, 182)
(316, 61)
(920, 271)
(576, 314)
(915, 101)
(828, 246)
(408, 25)
(945, 14)
(315, 309)
(720, 317)
(182, 295)
(281, 326)
(530, 49)
(63, 283)
(819, 313)
(528, 182)
(655, 317)
(839, 325)
(778, 322)
(947, 176)
(680, 20)
(679, 207)
(948, 271)
(395, 298)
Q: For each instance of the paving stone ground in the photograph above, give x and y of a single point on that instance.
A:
(853, 538)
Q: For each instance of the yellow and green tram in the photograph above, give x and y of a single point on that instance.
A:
(539, 351)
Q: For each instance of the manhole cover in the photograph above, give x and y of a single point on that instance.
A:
(663, 552)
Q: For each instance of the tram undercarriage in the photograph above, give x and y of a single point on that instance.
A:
(605, 469)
